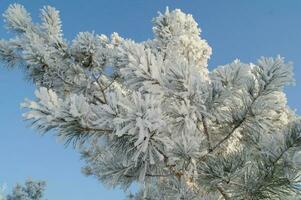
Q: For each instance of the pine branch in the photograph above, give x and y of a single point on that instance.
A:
(142, 122)
(222, 191)
(101, 89)
(205, 127)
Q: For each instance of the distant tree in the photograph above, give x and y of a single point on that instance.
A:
(2, 196)
(31, 190)
(152, 113)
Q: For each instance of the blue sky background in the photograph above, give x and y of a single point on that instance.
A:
(234, 29)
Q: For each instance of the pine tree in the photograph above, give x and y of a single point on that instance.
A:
(2, 189)
(152, 113)
(31, 190)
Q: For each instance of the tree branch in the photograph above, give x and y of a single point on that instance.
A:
(232, 130)
(101, 88)
(205, 127)
(222, 191)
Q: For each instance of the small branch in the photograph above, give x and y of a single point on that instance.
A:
(101, 88)
(232, 130)
(60, 77)
(227, 136)
(150, 175)
(205, 127)
(87, 129)
(222, 191)
(274, 162)
(220, 142)
(99, 99)
(113, 80)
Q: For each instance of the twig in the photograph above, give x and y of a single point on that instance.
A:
(101, 88)
(222, 191)
(205, 126)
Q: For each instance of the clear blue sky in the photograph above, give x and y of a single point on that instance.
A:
(234, 29)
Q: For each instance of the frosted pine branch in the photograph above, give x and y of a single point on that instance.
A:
(153, 113)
